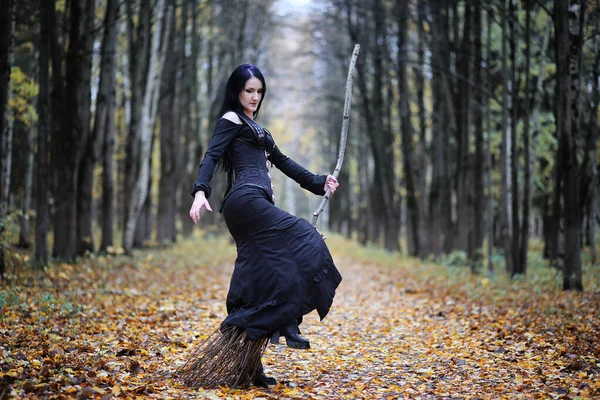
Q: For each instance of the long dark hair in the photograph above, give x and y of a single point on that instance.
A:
(236, 84)
(231, 102)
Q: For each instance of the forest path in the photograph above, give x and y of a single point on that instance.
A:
(389, 335)
(398, 328)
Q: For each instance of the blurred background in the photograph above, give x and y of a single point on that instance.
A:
(473, 129)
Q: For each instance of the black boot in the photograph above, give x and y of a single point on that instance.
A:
(261, 380)
(293, 338)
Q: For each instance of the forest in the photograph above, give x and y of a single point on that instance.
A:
(474, 127)
(465, 221)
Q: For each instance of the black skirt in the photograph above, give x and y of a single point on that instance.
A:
(283, 268)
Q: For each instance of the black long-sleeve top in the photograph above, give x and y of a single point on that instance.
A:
(250, 162)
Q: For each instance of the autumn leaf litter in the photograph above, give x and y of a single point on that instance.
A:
(114, 326)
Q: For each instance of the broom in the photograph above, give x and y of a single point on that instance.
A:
(226, 358)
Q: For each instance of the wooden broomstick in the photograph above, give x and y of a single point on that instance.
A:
(344, 136)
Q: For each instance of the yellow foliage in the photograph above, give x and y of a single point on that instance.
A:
(24, 89)
(60, 5)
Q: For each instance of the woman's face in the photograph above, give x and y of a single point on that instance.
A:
(251, 95)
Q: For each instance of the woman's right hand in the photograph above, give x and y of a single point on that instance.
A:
(199, 202)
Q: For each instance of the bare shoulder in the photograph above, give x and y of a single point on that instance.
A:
(233, 117)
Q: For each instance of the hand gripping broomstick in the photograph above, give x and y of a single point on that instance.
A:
(346, 119)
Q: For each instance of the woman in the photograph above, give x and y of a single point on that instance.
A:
(283, 268)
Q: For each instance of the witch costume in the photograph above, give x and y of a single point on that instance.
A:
(283, 268)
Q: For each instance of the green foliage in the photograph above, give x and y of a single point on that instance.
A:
(457, 258)
(498, 259)
(9, 297)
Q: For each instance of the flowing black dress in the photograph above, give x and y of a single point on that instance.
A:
(283, 268)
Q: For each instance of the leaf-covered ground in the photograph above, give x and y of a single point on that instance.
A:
(399, 328)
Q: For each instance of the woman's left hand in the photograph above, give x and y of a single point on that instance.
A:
(331, 183)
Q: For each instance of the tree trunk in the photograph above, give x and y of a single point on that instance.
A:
(439, 132)
(593, 136)
(448, 182)
(556, 217)
(68, 141)
(521, 265)
(169, 138)
(363, 195)
(138, 65)
(7, 38)
(514, 156)
(24, 220)
(488, 155)
(148, 116)
(57, 101)
(506, 197)
(103, 125)
(89, 149)
(476, 241)
(188, 106)
(536, 103)
(568, 45)
(122, 132)
(193, 137)
(548, 228)
(42, 177)
(422, 151)
(464, 203)
(143, 228)
(369, 215)
(108, 168)
(383, 188)
(406, 129)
